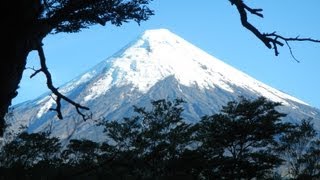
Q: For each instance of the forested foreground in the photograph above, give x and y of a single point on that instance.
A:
(246, 140)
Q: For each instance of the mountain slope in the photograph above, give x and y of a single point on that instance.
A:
(157, 65)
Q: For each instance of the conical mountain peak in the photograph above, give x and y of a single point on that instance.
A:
(160, 36)
(157, 65)
(158, 54)
(157, 33)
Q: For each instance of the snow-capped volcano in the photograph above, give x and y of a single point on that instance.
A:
(159, 64)
(159, 54)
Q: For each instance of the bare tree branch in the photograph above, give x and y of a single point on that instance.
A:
(275, 40)
(271, 40)
(54, 90)
(36, 71)
(254, 11)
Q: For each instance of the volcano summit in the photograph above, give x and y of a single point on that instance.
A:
(157, 65)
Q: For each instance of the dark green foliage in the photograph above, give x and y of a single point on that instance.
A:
(29, 149)
(30, 155)
(238, 142)
(300, 147)
(243, 141)
(153, 140)
(311, 160)
(72, 16)
(81, 152)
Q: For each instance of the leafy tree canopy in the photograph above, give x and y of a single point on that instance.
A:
(245, 140)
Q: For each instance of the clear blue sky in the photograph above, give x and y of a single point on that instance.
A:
(214, 26)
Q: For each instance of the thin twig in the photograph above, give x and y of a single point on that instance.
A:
(292, 55)
(254, 11)
(36, 71)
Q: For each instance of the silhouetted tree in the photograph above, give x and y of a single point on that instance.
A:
(82, 159)
(29, 149)
(246, 140)
(32, 20)
(30, 156)
(152, 141)
(238, 142)
(301, 150)
(311, 161)
(81, 153)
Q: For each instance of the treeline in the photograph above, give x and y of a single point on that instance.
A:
(246, 140)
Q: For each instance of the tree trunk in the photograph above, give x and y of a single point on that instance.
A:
(11, 71)
(24, 30)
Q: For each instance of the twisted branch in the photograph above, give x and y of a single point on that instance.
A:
(271, 40)
(53, 89)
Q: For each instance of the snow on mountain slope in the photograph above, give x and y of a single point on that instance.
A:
(159, 54)
(158, 64)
